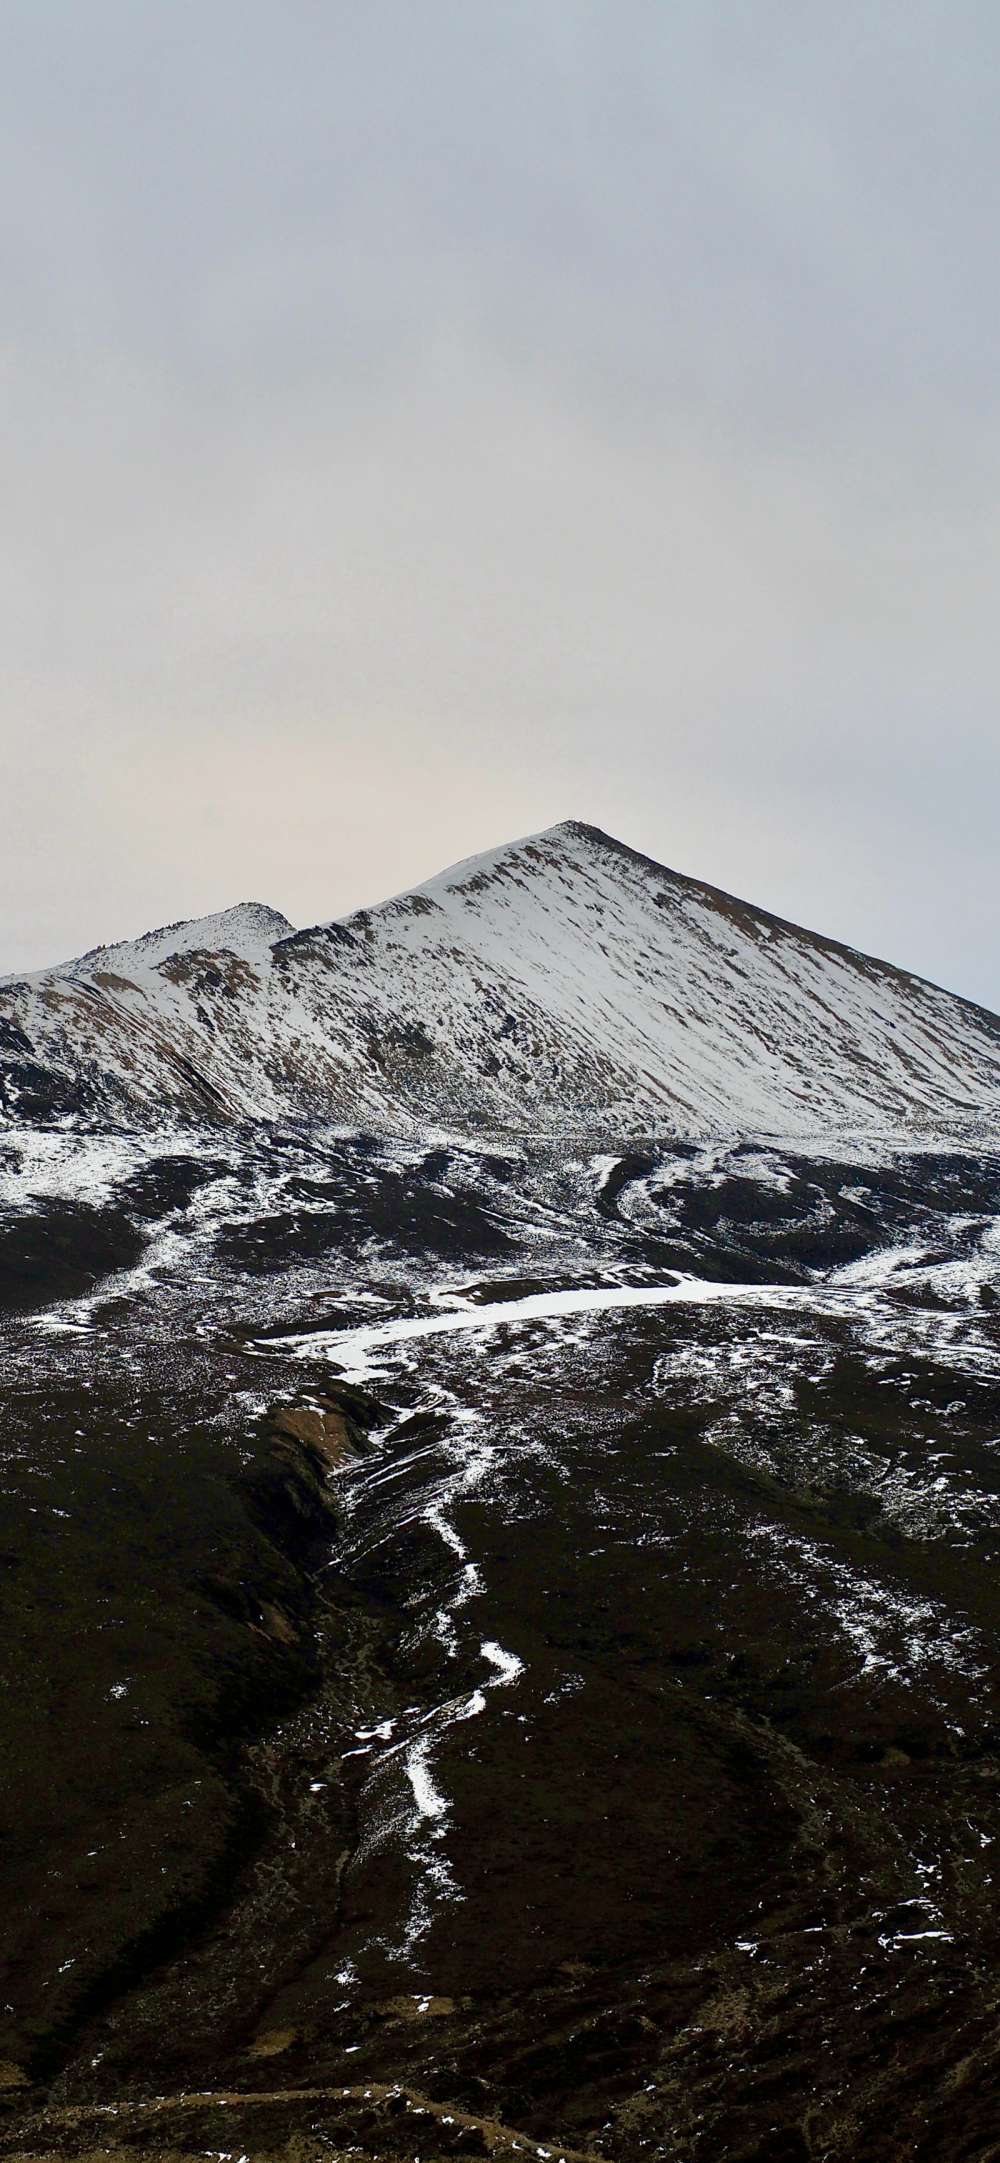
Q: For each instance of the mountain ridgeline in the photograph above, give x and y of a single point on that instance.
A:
(561, 982)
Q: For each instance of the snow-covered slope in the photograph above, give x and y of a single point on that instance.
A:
(560, 981)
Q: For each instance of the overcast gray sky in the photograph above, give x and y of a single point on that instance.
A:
(424, 420)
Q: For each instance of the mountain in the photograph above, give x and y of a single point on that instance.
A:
(556, 982)
(508, 1631)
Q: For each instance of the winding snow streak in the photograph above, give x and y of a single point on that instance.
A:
(355, 1345)
(356, 1351)
(429, 1800)
(507, 1664)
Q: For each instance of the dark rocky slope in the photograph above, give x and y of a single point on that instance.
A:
(716, 1839)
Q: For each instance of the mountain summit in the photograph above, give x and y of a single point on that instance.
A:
(556, 982)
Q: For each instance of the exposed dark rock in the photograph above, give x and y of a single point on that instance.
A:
(156, 1614)
(59, 1249)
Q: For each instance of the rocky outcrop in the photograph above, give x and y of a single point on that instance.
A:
(163, 1594)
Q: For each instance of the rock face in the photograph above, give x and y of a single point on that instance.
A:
(558, 982)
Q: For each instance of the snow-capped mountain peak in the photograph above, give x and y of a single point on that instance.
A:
(559, 981)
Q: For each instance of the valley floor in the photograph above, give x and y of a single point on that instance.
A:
(501, 1647)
